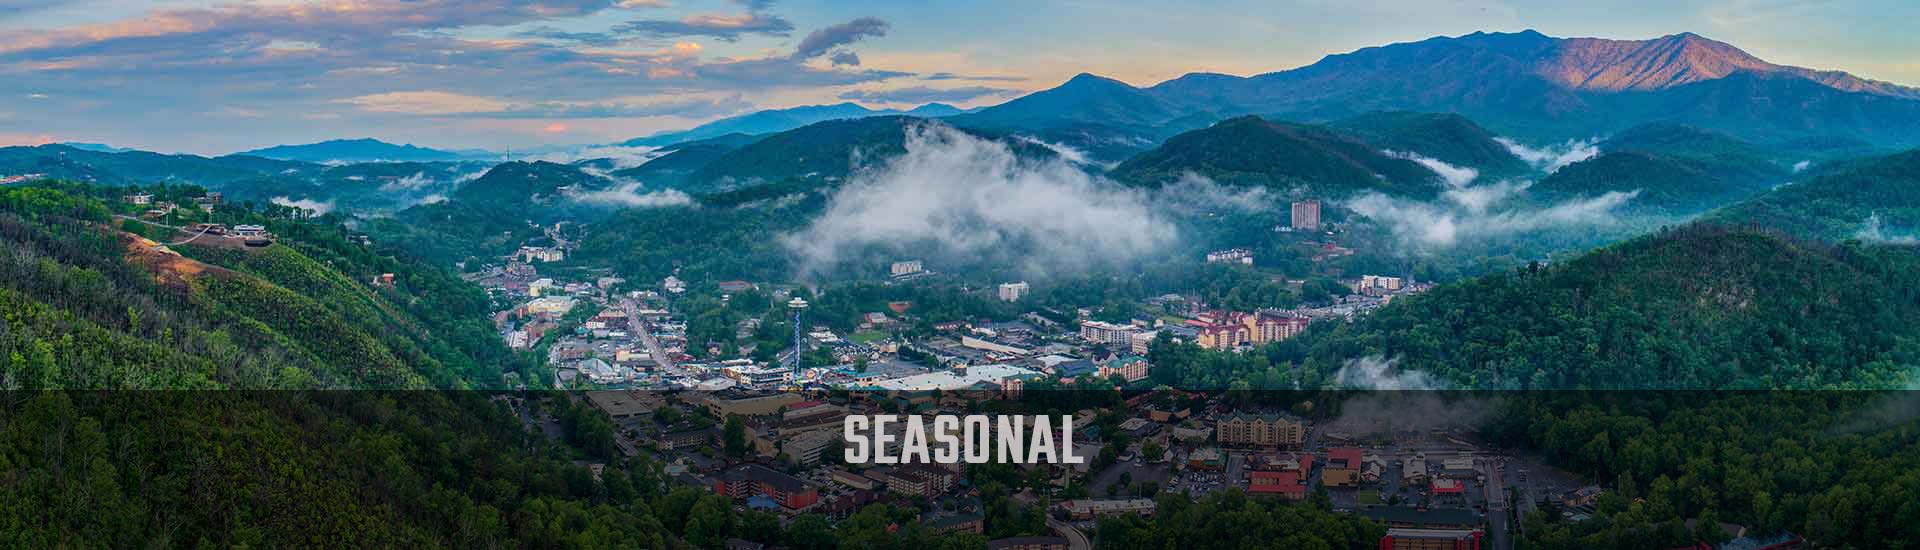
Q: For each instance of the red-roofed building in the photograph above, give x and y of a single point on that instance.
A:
(1443, 486)
(1288, 484)
(1342, 469)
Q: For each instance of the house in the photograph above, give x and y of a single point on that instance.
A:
(138, 199)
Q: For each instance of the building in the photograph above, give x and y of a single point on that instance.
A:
(1290, 485)
(532, 254)
(1431, 539)
(1232, 329)
(1342, 469)
(1231, 256)
(1099, 332)
(805, 448)
(551, 305)
(751, 480)
(1306, 215)
(919, 480)
(906, 268)
(1028, 543)
(138, 199)
(1013, 292)
(1130, 368)
(1262, 430)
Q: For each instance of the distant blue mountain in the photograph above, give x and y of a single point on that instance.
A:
(781, 120)
(359, 150)
(96, 147)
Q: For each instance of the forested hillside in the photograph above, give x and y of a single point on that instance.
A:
(1693, 307)
(1874, 199)
(1312, 160)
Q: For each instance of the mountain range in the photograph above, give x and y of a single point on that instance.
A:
(360, 150)
(781, 120)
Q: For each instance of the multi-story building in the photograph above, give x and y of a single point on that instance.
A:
(1231, 256)
(920, 480)
(1013, 292)
(1131, 368)
(1263, 430)
(1431, 539)
(906, 268)
(750, 480)
(1099, 332)
(1306, 215)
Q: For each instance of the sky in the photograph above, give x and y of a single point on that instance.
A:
(218, 77)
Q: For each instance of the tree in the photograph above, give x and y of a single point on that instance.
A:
(735, 436)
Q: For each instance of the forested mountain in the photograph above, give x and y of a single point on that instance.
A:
(358, 150)
(1446, 137)
(1523, 84)
(680, 160)
(91, 305)
(821, 152)
(1873, 199)
(1693, 307)
(1312, 161)
(780, 120)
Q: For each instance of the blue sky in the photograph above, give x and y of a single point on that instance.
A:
(214, 77)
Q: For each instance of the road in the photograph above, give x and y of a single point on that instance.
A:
(645, 331)
(1076, 540)
(1496, 489)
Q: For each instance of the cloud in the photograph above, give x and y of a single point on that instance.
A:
(724, 27)
(1802, 166)
(410, 183)
(954, 198)
(1374, 373)
(442, 103)
(1874, 230)
(1443, 224)
(821, 40)
(1196, 194)
(629, 196)
(622, 157)
(923, 94)
(1552, 157)
(317, 208)
(984, 78)
(849, 59)
(1454, 176)
(1466, 211)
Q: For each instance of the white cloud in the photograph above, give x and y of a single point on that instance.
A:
(1455, 176)
(1802, 166)
(1374, 373)
(622, 157)
(409, 183)
(1550, 158)
(957, 198)
(1466, 211)
(316, 207)
(1875, 231)
(1197, 194)
(629, 196)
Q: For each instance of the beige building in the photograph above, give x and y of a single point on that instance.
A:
(1263, 430)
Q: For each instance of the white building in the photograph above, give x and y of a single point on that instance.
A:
(1108, 333)
(551, 305)
(1013, 292)
(1231, 256)
(909, 267)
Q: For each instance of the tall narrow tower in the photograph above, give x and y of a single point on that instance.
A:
(797, 305)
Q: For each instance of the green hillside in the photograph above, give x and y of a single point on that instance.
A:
(1842, 201)
(1313, 160)
(1694, 307)
(1446, 137)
